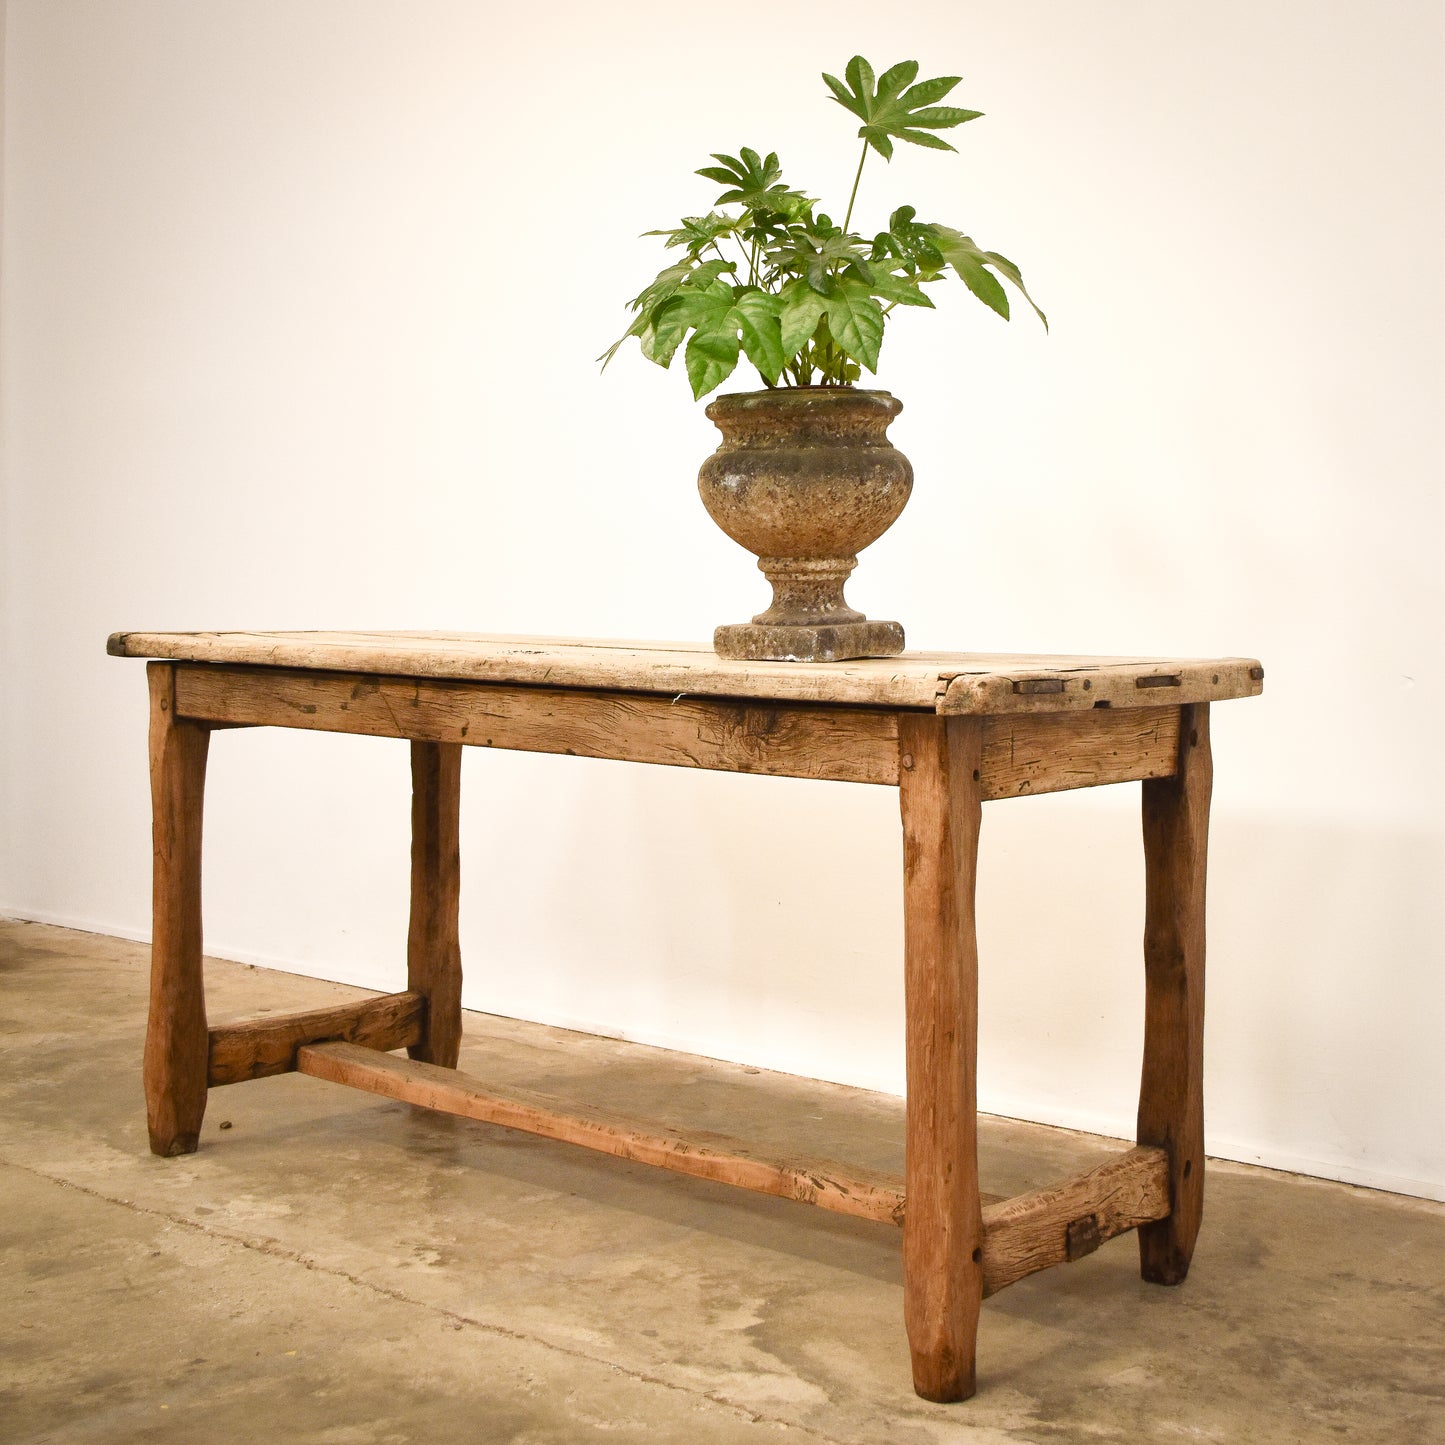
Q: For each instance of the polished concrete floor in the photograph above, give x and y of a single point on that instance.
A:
(333, 1267)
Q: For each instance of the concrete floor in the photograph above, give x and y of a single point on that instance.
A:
(332, 1267)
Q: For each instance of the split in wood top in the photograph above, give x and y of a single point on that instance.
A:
(937, 682)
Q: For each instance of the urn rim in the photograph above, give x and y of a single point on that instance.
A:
(803, 399)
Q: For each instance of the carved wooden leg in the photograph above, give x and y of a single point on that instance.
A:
(176, 1040)
(1171, 1095)
(943, 1224)
(433, 953)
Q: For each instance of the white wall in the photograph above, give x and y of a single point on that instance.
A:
(300, 301)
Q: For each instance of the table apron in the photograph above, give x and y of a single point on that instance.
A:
(1022, 753)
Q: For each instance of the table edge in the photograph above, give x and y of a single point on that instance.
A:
(928, 685)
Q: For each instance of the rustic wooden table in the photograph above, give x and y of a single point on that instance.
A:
(951, 732)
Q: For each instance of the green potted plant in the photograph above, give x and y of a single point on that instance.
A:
(805, 476)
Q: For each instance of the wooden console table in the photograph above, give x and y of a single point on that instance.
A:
(951, 732)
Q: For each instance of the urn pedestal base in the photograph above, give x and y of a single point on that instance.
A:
(826, 642)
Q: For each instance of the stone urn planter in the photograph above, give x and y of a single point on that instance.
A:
(805, 478)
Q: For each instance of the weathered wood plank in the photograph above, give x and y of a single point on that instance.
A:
(1021, 754)
(1050, 752)
(257, 1048)
(1068, 1220)
(175, 1047)
(933, 681)
(665, 667)
(943, 1232)
(433, 949)
(1171, 1092)
(853, 745)
(1081, 684)
(704, 1155)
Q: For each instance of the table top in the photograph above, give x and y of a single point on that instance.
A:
(944, 682)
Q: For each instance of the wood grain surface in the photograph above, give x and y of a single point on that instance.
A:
(702, 1154)
(848, 744)
(176, 1035)
(933, 681)
(433, 948)
(1033, 1231)
(257, 1048)
(1171, 1092)
(940, 800)
(1022, 754)
(1051, 752)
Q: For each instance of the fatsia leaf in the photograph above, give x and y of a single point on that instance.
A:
(835, 366)
(842, 95)
(705, 273)
(753, 182)
(704, 307)
(816, 252)
(638, 328)
(799, 308)
(926, 92)
(698, 232)
(711, 357)
(982, 282)
(692, 306)
(670, 323)
(941, 116)
(762, 338)
(663, 285)
(971, 263)
(716, 315)
(662, 289)
(892, 81)
(765, 228)
(901, 290)
(667, 283)
(856, 321)
(860, 76)
(657, 348)
(1005, 267)
(701, 305)
(889, 112)
(908, 244)
(922, 138)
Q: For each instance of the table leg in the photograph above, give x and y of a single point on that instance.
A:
(1171, 1094)
(940, 760)
(433, 951)
(176, 1038)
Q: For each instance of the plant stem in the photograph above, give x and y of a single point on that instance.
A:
(858, 176)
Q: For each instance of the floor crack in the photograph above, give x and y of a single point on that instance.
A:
(273, 1249)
